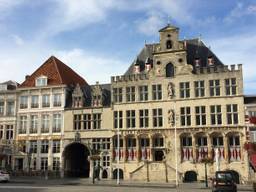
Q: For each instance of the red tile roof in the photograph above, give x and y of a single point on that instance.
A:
(57, 73)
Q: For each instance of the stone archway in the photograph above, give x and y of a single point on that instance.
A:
(121, 174)
(104, 174)
(76, 162)
(235, 176)
(190, 176)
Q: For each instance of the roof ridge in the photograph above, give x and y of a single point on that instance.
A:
(57, 67)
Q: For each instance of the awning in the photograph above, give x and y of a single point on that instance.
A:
(253, 161)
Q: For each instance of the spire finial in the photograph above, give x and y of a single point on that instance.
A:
(168, 20)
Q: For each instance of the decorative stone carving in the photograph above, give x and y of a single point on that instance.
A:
(170, 89)
(171, 117)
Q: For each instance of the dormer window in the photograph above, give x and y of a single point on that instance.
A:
(41, 81)
(168, 44)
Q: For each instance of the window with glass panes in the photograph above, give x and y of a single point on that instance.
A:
(77, 122)
(234, 141)
(143, 117)
(44, 163)
(216, 115)
(1, 132)
(199, 88)
(130, 119)
(214, 86)
(117, 95)
(10, 108)
(45, 123)
(56, 164)
(46, 101)
(158, 141)
(202, 141)
(200, 115)
(157, 117)
(34, 101)
(57, 100)
(55, 146)
(144, 142)
(230, 86)
(131, 142)
(130, 94)
(232, 114)
(96, 121)
(44, 146)
(23, 125)
(217, 141)
(105, 143)
(87, 121)
(157, 92)
(186, 141)
(184, 90)
(118, 119)
(1, 107)
(33, 146)
(56, 124)
(143, 93)
(33, 124)
(23, 102)
(9, 132)
(185, 116)
(106, 161)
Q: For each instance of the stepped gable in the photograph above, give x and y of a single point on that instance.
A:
(195, 49)
(57, 73)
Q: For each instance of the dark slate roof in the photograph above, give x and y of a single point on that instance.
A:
(250, 99)
(195, 49)
(168, 27)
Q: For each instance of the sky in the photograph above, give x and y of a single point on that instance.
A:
(101, 38)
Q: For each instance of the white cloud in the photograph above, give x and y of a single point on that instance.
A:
(17, 39)
(238, 49)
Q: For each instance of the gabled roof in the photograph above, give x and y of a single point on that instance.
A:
(168, 27)
(57, 73)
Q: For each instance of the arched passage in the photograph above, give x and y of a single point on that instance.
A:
(235, 176)
(76, 162)
(104, 174)
(190, 176)
(121, 174)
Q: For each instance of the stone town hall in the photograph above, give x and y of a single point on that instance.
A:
(62, 124)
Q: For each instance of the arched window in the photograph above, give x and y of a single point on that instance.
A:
(169, 70)
(168, 44)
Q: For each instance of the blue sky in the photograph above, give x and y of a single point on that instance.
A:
(100, 38)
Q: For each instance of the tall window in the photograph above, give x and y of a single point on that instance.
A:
(216, 116)
(56, 127)
(130, 119)
(184, 90)
(157, 92)
(118, 95)
(118, 119)
(23, 125)
(169, 70)
(56, 164)
(10, 108)
(87, 121)
(44, 146)
(46, 101)
(45, 124)
(185, 116)
(214, 87)
(9, 132)
(23, 102)
(34, 101)
(157, 117)
(199, 88)
(186, 141)
(232, 114)
(57, 100)
(144, 117)
(230, 85)
(168, 44)
(1, 132)
(44, 164)
(96, 121)
(200, 115)
(1, 107)
(217, 141)
(33, 146)
(77, 122)
(55, 146)
(143, 93)
(130, 94)
(33, 124)
(158, 141)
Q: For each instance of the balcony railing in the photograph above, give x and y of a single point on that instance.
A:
(145, 153)
(23, 106)
(119, 154)
(235, 153)
(201, 153)
(187, 153)
(57, 104)
(220, 151)
(45, 104)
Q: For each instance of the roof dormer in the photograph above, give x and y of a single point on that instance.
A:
(41, 81)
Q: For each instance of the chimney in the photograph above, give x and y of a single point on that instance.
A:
(26, 77)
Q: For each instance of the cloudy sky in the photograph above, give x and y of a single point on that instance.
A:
(100, 38)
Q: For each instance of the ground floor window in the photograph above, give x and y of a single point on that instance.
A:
(44, 163)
